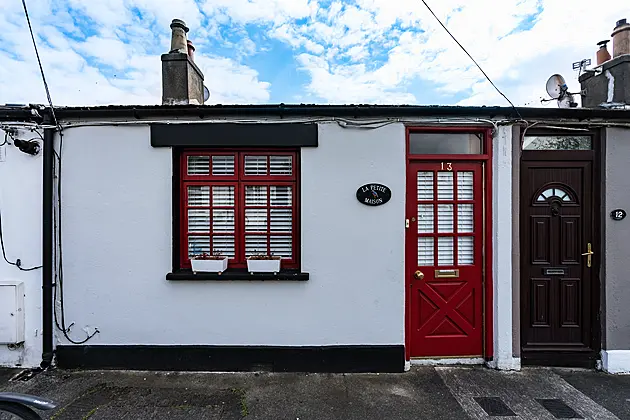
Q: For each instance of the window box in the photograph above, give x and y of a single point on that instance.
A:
(215, 265)
(263, 265)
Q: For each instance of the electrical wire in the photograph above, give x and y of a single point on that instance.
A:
(59, 283)
(61, 324)
(471, 57)
(18, 262)
(41, 69)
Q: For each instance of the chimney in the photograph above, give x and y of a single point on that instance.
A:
(602, 54)
(182, 80)
(621, 38)
(609, 84)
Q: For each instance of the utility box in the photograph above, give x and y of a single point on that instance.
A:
(11, 312)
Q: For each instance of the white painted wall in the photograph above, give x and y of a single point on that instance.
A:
(615, 291)
(502, 253)
(117, 249)
(21, 208)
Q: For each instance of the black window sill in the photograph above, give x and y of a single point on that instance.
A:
(233, 274)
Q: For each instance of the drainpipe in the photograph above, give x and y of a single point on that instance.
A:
(47, 247)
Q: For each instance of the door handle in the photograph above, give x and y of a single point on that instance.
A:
(589, 255)
(419, 275)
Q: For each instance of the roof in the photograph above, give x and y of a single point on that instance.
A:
(306, 110)
(21, 113)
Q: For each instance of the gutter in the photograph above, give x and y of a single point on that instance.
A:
(47, 247)
(139, 112)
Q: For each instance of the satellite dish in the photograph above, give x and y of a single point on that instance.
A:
(206, 94)
(556, 86)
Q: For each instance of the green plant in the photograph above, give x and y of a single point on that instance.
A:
(262, 256)
(242, 400)
(216, 255)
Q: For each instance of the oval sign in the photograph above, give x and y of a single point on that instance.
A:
(618, 214)
(374, 194)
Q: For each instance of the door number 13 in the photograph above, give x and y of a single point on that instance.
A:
(447, 165)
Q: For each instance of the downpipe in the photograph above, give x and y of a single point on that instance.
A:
(47, 248)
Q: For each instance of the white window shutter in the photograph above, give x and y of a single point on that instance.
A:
(198, 196)
(446, 250)
(256, 165)
(281, 165)
(223, 165)
(445, 185)
(426, 249)
(425, 186)
(465, 250)
(465, 218)
(198, 165)
(465, 185)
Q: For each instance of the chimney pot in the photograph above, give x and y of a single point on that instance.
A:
(621, 38)
(191, 50)
(178, 36)
(602, 54)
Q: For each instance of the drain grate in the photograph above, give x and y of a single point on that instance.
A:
(559, 409)
(494, 406)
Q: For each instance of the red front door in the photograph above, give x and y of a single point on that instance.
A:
(445, 259)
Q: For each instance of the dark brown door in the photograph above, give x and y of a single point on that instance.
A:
(557, 293)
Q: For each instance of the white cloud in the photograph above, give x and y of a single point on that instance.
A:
(352, 51)
(417, 48)
(232, 83)
(250, 11)
(118, 63)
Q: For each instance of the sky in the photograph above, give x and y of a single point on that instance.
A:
(100, 52)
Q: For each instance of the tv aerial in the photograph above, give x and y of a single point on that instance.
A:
(581, 65)
(557, 88)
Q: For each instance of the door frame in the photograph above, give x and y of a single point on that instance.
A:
(487, 281)
(551, 358)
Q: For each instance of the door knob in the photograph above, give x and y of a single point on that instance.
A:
(419, 275)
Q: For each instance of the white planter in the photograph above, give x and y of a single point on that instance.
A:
(209, 266)
(263, 266)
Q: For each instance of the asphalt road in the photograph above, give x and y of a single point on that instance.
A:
(424, 393)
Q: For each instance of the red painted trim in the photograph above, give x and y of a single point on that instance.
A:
(239, 180)
(486, 158)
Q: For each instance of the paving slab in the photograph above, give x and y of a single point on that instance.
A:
(529, 394)
(610, 391)
(420, 394)
(449, 393)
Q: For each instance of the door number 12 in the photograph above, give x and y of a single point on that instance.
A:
(447, 165)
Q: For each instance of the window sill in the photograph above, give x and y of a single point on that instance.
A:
(232, 274)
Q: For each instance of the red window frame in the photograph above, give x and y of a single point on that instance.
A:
(239, 180)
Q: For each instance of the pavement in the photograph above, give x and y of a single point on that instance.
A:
(423, 393)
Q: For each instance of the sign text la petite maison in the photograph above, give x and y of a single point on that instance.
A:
(374, 194)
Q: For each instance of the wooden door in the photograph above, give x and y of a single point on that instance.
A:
(445, 259)
(557, 282)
